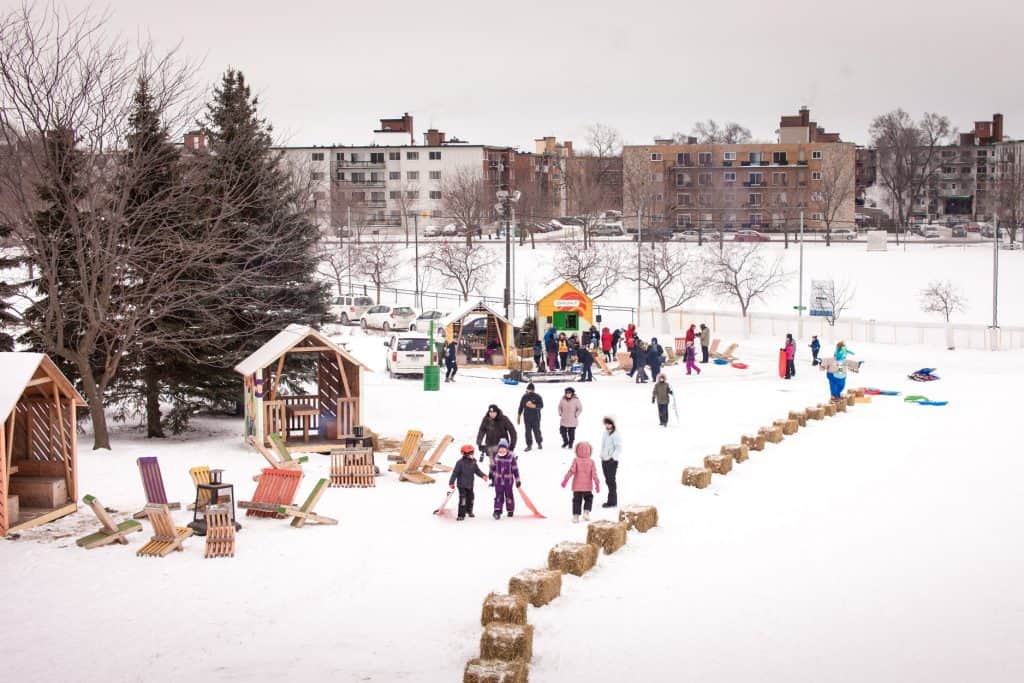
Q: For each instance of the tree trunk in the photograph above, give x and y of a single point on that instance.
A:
(154, 428)
(94, 397)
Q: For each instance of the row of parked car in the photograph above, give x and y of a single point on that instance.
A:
(355, 309)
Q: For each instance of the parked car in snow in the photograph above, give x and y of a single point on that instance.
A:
(422, 322)
(407, 353)
(959, 231)
(844, 234)
(688, 236)
(750, 236)
(350, 308)
(607, 230)
(930, 232)
(388, 318)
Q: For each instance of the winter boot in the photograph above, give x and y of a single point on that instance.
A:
(469, 513)
(586, 516)
(540, 446)
(508, 514)
(459, 518)
(528, 448)
(575, 519)
(497, 515)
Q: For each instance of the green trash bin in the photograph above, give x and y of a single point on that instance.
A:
(432, 378)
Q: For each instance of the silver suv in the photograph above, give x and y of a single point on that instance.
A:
(348, 309)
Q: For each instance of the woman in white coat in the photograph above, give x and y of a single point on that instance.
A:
(611, 449)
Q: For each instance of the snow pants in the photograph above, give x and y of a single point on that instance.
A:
(610, 468)
(503, 495)
(465, 502)
(552, 365)
(790, 368)
(582, 499)
(836, 384)
(450, 369)
(568, 435)
(533, 432)
(692, 365)
(587, 375)
(704, 354)
(663, 413)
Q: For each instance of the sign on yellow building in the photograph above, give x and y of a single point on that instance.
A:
(565, 307)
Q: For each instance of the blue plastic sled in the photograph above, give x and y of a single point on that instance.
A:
(721, 361)
(931, 403)
(882, 392)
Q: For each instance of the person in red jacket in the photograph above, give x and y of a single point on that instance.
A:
(691, 334)
(585, 483)
(630, 336)
(606, 344)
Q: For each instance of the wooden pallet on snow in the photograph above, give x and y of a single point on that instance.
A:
(353, 468)
(432, 464)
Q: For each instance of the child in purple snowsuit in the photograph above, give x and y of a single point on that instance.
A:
(504, 474)
(691, 358)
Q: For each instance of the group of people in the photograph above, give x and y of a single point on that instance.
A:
(835, 368)
(496, 441)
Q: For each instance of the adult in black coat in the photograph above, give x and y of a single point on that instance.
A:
(493, 428)
(654, 357)
(530, 406)
(463, 476)
(586, 360)
(450, 362)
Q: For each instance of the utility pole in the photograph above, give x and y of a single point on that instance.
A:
(995, 283)
(639, 244)
(800, 301)
(416, 256)
(504, 210)
(349, 228)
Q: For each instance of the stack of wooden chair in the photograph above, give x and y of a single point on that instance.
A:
(353, 467)
(220, 532)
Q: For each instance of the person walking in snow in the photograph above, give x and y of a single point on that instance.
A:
(530, 406)
(690, 356)
(504, 474)
(691, 333)
(538, 356)
(616, 338)
(451, 363)
(551, 348)
(630, 336)
(655, 356)
(640, 361)
(587, 361)
(584, 482)
(836, 374)
(705, 342)
(815, 350)
(606, 345)
(463, 476)
(494, 428)
(569, 409)
(660, 395)
(790, 351)
(563, 352)
(611, 449)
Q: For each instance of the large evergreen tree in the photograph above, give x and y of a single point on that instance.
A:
(7, 315)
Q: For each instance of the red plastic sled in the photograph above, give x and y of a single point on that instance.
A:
(740, 366)
(529, 504)
(440, 511)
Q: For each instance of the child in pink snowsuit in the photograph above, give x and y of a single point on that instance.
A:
(584, 481)
(691, 358)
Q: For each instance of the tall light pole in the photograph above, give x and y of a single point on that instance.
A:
(800, 301)
(639, 244)
(504, 209)
(995, 283)
(416, 250)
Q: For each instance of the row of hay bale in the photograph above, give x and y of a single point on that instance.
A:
(733, 454)
(506, 644)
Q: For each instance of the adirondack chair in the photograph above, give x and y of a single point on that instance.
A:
(109, 532)
(410, 446)
(166, 537)
(713, 349)
(200, 475)
(304, 513)
(353, 467)
(432, 464)
(727, 354)
(220, 532)
(153, 484)
(411, 470)
(275, 488)
(601, 363)
(670, 356)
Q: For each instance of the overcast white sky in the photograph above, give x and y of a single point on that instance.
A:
(506, 73)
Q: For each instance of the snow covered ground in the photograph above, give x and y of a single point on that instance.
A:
(878, 545)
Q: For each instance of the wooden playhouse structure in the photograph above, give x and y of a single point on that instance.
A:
(38, 442)
(310, 422)
(567, 308)
(499, 333)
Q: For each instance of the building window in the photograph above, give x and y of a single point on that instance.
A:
(340, 175)
(435, 175)
(435, 194)
(316, 175)
(318, 156)
(755, 179)
(755, 220)
(683, 159)
(412, 156)
(730, 176)
(394, 175)
(655, 156)
(376, 177)
(657, 178)
(358, 196)
(755, 157)
(395, 194)
(682, 220)
(815, 175)
(704, 158)
(358, 177)
(703, 178)
(376, 157)
(377, 196)
(355, 156)
(658, 197)
(729, 156)
(816, 155)
(412, 194)
(816, 217)
(395, 156)
(412, 175)
(683, 199)
(816, 196)
(779, 158)
(754, 199)
(435, 156)
(779, 179)
(682, 179)
(782, 199)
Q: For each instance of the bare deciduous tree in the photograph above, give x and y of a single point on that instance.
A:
(466, 267)
(712, 132)
(908, 157)
(1008, 197)
(943, 298)
(593, 178)
(592, 270)
(464, 198)
(741, 272)
(836, 298)
(837, 188)
(639, 188)
(335, 262)
(378, 261)
(671, 273)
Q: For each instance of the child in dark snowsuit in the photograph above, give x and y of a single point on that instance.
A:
(462, 475)
(815, 350)
(505, 474)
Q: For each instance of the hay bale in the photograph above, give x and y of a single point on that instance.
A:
(840, 405)
(829, 408)
(816, 413)
(643, 518)
(697, 477)
(863, 399)
(572, 558)
(771, 434)
(851, 399)
(538, 586)
(719, 464)
(609, 536)
(494, 671)
(800, 416)
(507, 642)
(503, 609)
(738, 452)
(753, 442)
(858, 392)
(788, 427)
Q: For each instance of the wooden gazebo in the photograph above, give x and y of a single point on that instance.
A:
(309, 422)
(498, 332)
(38, 442)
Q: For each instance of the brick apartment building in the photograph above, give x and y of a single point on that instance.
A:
(966, 176)
(749, 185)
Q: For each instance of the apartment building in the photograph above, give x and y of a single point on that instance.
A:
(749, 185)
(541, 176)
(393, 178)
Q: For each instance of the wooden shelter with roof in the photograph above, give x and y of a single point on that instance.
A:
(474, 338)
(38, 442)
(311, 422)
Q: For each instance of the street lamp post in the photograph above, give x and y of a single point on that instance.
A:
(800, 301)
(416, 257)
(639, 244)
(504, 209)
(995, 284)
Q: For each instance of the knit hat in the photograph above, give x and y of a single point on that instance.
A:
(529, 387)
(503, 443)
(583, 449)
(467, 450)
